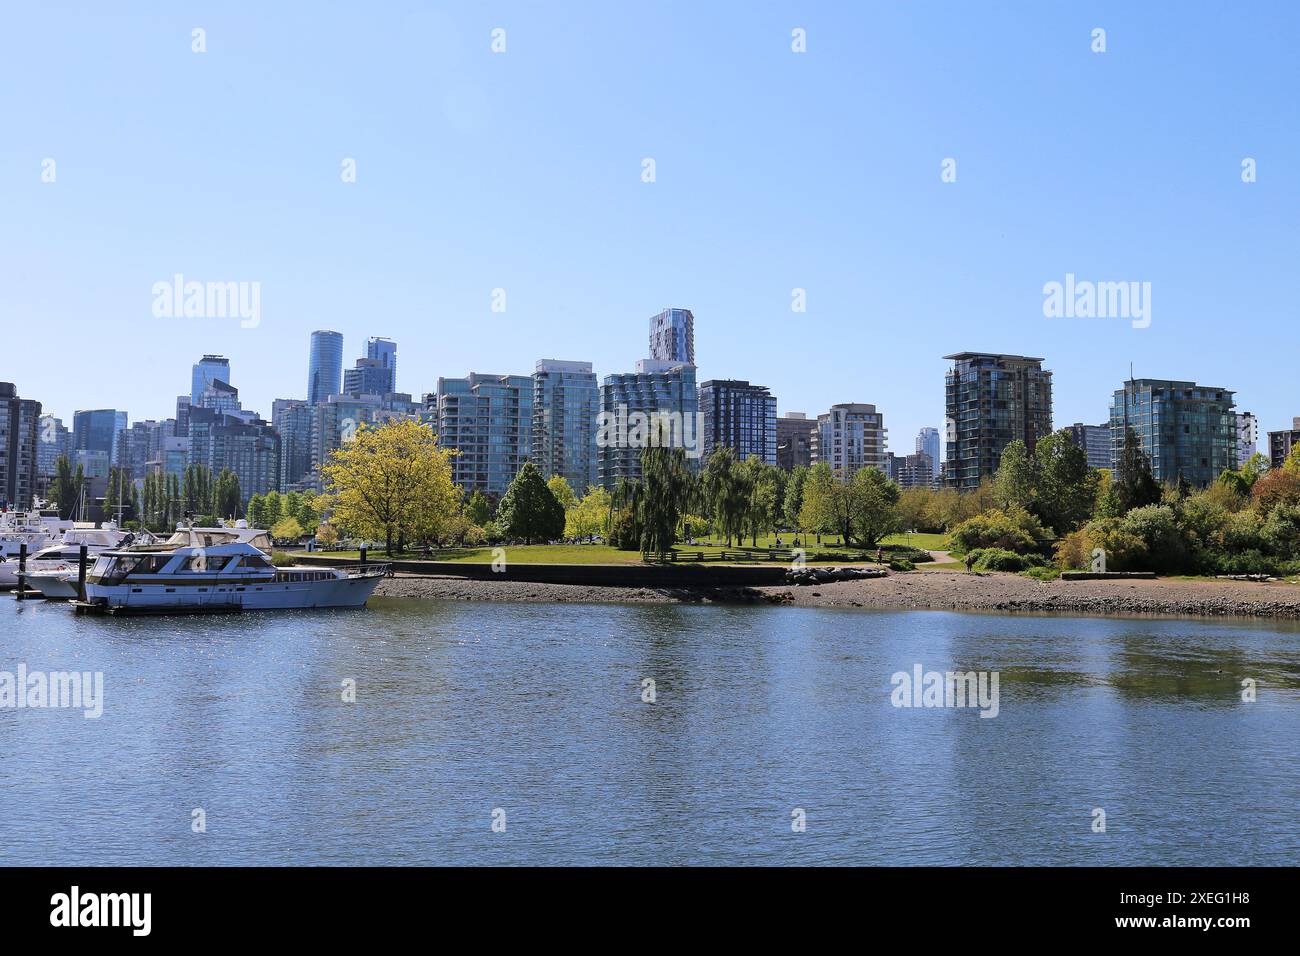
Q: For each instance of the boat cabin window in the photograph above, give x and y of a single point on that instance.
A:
(256, 561)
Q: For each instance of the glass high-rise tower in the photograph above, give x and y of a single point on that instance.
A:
(566, 403)
(324, 366)
(209, 369)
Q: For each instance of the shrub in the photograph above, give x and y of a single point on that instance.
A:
(1280, 531)
(999, 559)
(1157, 527)
(1074, 551)
(282, 559)
(1015, 530)
(901, 564)
(1041, 574)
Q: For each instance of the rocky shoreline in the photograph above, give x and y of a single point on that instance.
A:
(927, 590)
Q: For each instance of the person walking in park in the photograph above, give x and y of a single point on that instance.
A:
(970, 562)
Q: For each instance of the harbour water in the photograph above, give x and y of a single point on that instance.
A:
(536, 717)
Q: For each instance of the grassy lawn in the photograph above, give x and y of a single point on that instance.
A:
(942, 566)
(930, 542)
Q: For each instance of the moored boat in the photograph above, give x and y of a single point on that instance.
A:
(195, 571)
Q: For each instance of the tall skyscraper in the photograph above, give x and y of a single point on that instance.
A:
(324, 366)
(250, 448)
(663, 390)
(183, 403)
(1095, 442)
(739, 416)
(672, 336)
(20, 433)
(55, 442)
(850, 436)
(489, 419)
(566, 403)
(794, 439)
(209, 369)
(927, 440)
(1247, 437)
(384, 351)
(1187, 430)
(992, 400)
(96, 439)
(294, 421)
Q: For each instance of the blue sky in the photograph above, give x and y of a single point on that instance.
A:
(774, 171)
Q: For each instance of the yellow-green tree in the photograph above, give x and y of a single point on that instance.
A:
(391, 482)
(562, 491)
(590, 516)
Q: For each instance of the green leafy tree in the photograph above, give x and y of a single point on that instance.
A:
(1065, 487)
(563, 492)
(529, 511)
(287, 529)
(1135, 486)
(590, 516)
(763, 484)
(667, 492)
(817, 513)
(872, 505)
(478, 509)
(726, 492)
(1017, 477)
(792, 500)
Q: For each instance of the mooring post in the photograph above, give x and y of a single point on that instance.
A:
(81, 573)
(363, 555)
(22, 571)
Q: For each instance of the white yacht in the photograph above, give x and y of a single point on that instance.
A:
(52, 572)
(194, 571)
(37, 528)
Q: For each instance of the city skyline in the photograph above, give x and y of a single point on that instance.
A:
(762, 192)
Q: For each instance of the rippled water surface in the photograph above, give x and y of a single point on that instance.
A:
(536, 710)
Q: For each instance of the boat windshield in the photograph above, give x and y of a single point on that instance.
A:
(114, 569)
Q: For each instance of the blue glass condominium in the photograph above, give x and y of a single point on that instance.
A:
(672, 336)
(209, 369)
(489, 419)
(566, 403)
(656, 389)
(1187, 430)
(992, 400)
(740, 416)
(324, 366)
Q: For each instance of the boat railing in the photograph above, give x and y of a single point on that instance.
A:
(368, 570)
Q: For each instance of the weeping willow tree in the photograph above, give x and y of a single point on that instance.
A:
(667, 487)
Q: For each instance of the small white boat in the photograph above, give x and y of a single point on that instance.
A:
(56, 559)
(190, 575)
(38, 528)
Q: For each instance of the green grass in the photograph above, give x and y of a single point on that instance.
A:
(920, 539)
(926, 541)
(942, 566)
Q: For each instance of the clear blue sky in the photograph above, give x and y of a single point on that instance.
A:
(775, 170)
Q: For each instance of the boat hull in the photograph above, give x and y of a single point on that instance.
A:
(270, 596)
(53, 586)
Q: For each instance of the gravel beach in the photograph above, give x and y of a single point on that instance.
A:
(934, 590)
